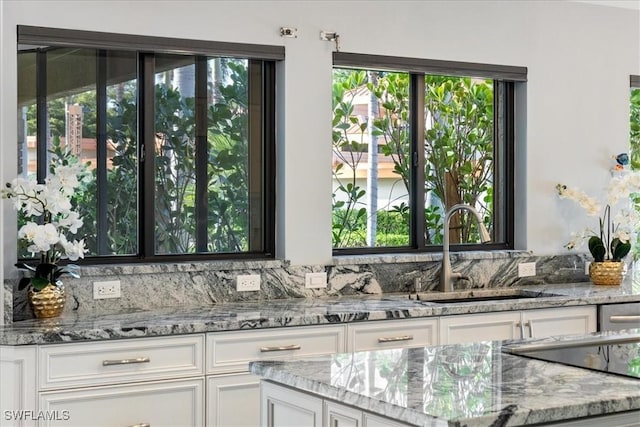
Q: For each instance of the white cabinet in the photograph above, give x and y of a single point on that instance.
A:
(283, 407)
(547, 322)
(337, 415)
(517, 324)
(286, 407)
(479, 327)
(229, 352)
(233, 395)
(149, 381)
(233, 400)
(118, 362)
(174, 403)
(371, 420)
(381, 334)
(18, 387)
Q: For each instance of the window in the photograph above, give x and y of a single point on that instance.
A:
(634, 121)
(634, 143)
(411, 139)
(179, 135)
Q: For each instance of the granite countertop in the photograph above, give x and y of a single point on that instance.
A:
(457, 385)
(292, 312)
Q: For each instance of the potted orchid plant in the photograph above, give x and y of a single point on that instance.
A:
(617, 224)
(48, 220)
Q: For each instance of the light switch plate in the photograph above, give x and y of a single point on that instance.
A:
(315, 280)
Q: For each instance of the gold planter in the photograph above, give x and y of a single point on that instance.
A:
(49, 302)
(606, 273)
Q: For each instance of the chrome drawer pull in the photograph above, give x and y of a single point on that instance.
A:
(126, 362)
(141, 425)
(625, 319)
(394, 339)
(280, 348)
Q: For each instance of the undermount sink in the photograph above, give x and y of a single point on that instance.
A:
(475, 295)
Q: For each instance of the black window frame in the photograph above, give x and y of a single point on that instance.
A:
(262, 61)
(504, 147)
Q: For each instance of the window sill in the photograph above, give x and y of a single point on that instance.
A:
(426, 257)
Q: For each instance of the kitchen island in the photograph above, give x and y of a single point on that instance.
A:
(476, 384)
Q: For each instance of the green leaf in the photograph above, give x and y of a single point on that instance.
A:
(619, 250)
(597, 249)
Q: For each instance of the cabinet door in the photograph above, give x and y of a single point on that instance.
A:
(285, 407)
(479, 327)
(376, 335)
(18, 390)
(370, 420)
(560, 321)
(337, 415)
(233, 400)
(160, 403)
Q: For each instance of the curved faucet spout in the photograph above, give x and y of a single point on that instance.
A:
(447, 276)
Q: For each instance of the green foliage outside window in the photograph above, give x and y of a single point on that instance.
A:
(458, 147)
(634, 149)
(227, 175)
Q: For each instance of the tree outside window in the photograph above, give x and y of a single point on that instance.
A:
(373, 156)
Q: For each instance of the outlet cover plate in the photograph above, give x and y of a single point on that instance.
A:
(315, 280)
(586, 267)
(106, 289)
(526, 269)
(248, 282)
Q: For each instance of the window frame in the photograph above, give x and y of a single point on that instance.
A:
(504, 147)
(262, 82)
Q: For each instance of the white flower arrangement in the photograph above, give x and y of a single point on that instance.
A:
(47, 209)
(612, 241)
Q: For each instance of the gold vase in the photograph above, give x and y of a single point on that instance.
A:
(49, 302)
(606, 273)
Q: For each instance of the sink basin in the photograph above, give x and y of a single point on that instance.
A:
(475, 295)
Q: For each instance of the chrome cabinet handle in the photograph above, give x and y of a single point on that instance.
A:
(140, 425)
(394, 339)
(280, 348)
(624, 319)
(126, 362)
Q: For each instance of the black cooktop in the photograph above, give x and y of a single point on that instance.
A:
(620, 356)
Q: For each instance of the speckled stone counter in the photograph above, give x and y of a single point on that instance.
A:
(291, 312)
(460, 385)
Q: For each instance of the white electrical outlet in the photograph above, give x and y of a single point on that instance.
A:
(108, 289)
(315, 280)
(526, 269)
(248, 282)
(587, 264)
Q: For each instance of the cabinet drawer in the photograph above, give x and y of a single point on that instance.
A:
(392, 334)
(115, 362)
(159, 403)
(232, 351)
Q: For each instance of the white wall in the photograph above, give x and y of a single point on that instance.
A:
(579, 58)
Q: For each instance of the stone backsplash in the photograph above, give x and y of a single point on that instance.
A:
(149, 286)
